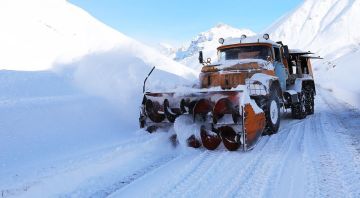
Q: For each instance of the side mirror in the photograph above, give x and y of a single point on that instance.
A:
(286, 51)
(201, 58)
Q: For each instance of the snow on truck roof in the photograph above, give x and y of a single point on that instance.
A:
(244, 39)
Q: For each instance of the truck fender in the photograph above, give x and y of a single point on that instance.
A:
(291, 96)
(266, 80)
(300, 83)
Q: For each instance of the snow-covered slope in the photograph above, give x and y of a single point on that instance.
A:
(42, 33)
(37, 33)
(47, 115)
(322, 26)
(60, 36)
(331, 29)
(205, 41)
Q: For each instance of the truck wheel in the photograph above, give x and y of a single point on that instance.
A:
(298, 110)
(309, 100)
(272, 113)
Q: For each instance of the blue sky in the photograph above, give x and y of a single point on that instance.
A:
(177, 21)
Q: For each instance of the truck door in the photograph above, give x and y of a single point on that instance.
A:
(280, 71)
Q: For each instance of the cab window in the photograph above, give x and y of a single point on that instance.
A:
(277, 54)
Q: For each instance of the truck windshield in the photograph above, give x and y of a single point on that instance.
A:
(246, 52)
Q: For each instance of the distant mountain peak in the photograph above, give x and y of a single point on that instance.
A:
(206, 41)
(222, 25)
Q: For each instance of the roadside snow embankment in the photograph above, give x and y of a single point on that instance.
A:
(119, 77)
(338, 77)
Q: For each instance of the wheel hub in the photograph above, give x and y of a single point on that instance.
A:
(274, 112)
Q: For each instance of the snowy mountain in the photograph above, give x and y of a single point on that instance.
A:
(205, 41)
(44, 33)
(329, 28)
(167, 50)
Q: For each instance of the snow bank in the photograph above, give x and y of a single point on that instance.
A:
(118, 76)
(340, 77)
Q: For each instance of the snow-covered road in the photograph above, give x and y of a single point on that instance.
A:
(315, 157)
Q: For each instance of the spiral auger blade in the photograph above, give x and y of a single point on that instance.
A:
(230, 138)
(171, 113)
(154, 111)
(193, 142)
(210, 139)
(202, 108)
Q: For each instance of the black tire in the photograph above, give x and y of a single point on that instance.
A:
(309, 100)
(271, 108)
(298, 110)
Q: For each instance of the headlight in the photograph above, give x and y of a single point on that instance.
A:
(266, 36)
(221, 40)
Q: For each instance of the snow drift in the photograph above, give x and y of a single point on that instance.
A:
(119, 76)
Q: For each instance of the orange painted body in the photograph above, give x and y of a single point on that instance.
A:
(254, 124)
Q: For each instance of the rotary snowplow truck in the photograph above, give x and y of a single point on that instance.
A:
(238, 97)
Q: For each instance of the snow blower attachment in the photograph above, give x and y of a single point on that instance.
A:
(222, 116)
(238, 98)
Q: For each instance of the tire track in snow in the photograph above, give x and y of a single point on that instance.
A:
(256, 182)
(324, 171)
(199, 174)
(331, 168)
(284, 172)
(192, 173)
(102, 160)
(228, 177)
(134, 176)
(171, 180)
(249, 162)
(344, 141)
(347, 163)
(313, 182)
